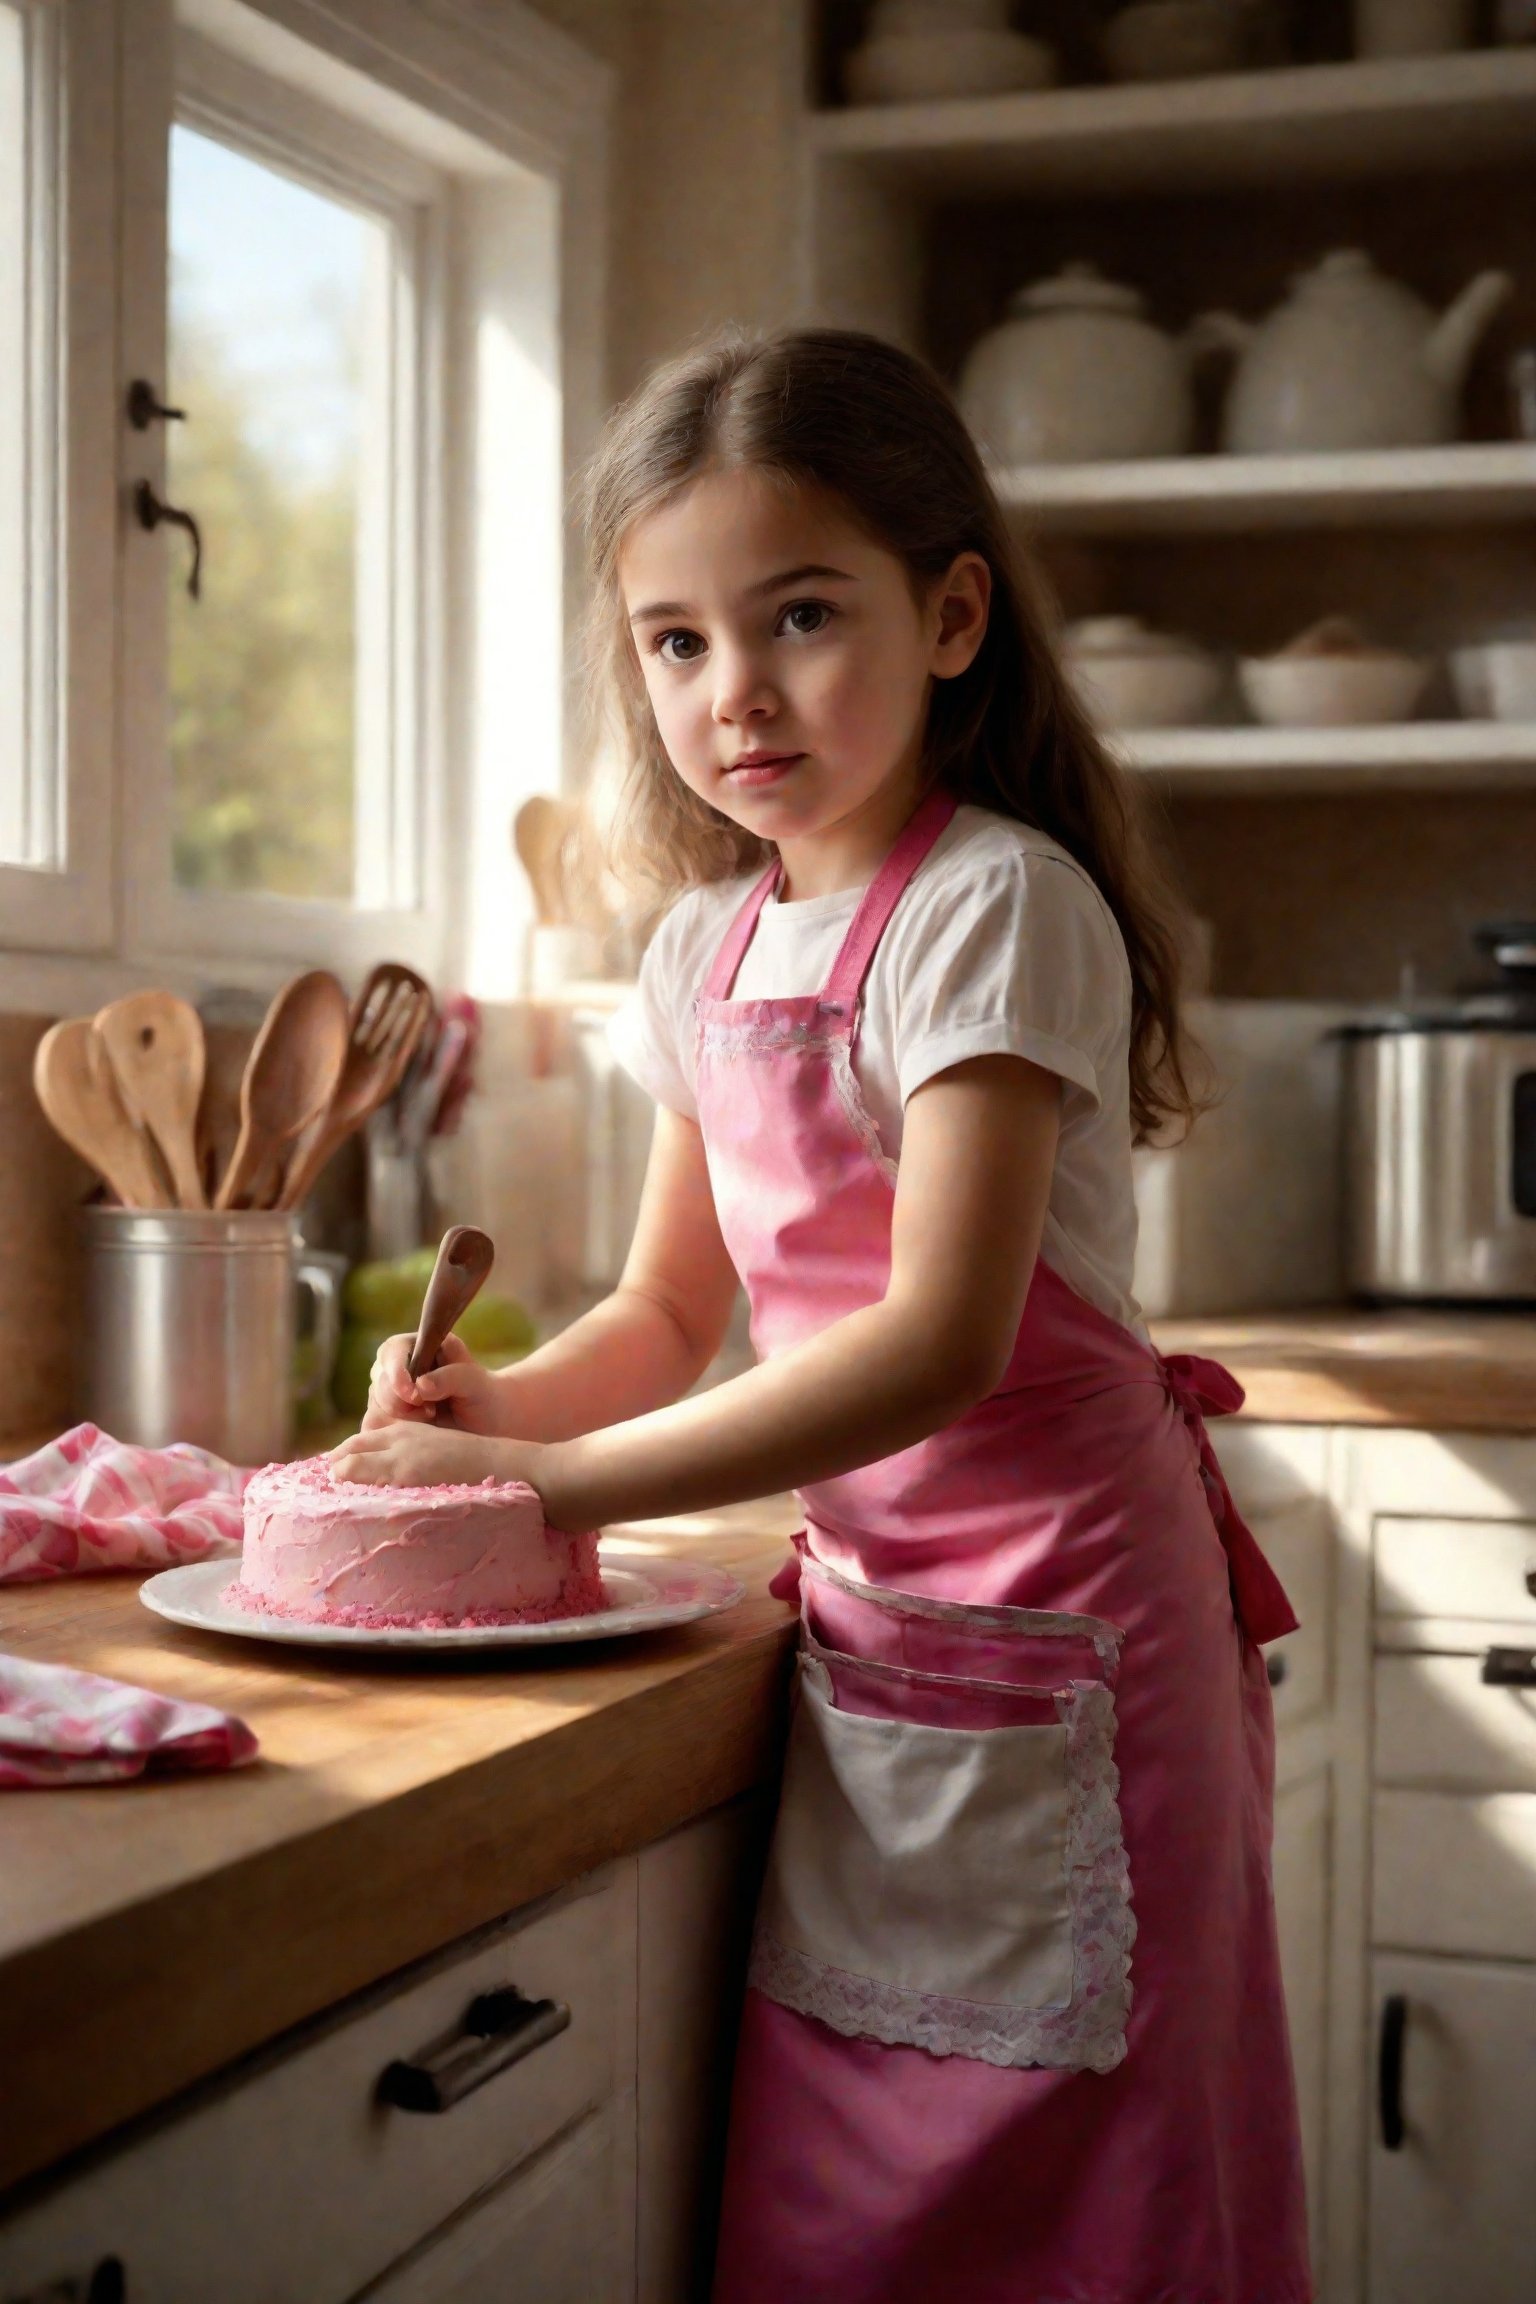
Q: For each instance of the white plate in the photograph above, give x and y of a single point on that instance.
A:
(645, 1599)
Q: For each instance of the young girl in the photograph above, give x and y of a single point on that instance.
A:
(1015, 2031)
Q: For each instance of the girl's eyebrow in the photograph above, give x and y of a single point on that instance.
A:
(811, 570)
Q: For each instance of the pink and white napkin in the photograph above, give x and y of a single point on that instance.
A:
(82, 1505)
(88, 1502)
(59, 1726)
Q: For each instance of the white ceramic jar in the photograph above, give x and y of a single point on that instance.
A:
(1077, 374)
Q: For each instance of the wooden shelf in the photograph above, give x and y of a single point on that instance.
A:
(1415, 115)
(1387, 487)
(1412, 756)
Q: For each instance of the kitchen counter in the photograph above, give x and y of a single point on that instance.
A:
(151, 1932)
(1433, 1371)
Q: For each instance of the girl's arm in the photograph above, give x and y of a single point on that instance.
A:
(978, 1148)
(640, 1347)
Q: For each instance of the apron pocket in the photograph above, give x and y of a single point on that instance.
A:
(957, 1889)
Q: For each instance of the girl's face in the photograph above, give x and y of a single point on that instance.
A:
(786, 656)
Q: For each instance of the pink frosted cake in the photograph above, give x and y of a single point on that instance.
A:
(341, 1552)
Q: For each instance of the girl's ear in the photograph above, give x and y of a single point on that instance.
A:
(962, 598)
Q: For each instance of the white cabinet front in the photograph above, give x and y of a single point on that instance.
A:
(1453, 2155)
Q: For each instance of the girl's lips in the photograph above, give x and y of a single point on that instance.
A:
(763, 767)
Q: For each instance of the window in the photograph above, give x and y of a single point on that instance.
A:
(353, 262)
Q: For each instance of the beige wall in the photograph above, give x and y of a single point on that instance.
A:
(705, 224)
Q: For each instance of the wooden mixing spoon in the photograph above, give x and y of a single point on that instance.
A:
(463, 1261)
(154, 1044)
(289, 1080)
(387, 1020)
(78, 1091)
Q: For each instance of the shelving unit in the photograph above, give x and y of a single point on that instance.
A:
(1414, 756)
(1318, 121)
(1492, 483)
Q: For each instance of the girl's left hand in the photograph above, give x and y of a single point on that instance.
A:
(423, 1456)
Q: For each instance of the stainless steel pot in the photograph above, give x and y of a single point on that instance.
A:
(1440, 1159)
(190, 1323)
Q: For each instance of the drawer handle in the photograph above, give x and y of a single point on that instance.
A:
(499, 2028)
(1389, 2070)
(1276, 1668)
(1509, 1668)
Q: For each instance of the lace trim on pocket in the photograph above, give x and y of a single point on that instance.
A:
(1088, 2033)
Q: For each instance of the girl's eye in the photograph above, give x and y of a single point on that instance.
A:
(806, 616)
(679, 647)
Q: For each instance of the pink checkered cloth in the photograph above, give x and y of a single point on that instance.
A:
(85, 1504)
(60, 1727)
(88, 1502)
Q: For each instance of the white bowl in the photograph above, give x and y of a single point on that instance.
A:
(1469, 678)
(910, 67)
(1173, 40)
(1332, 691)
(1153, 688)
(1510, 671)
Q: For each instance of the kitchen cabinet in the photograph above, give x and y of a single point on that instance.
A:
(1405, 1843)
(1453, 2204)
(293, 2179)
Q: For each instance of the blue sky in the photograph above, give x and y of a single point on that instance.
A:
(276, 272)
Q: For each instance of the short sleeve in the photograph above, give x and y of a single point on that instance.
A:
(644, 1034)
(1021, 957)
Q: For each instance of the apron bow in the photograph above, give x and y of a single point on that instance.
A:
(1198, 1388)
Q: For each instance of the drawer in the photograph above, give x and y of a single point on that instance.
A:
(1452, 1872)
(1298, 1543)
(1439, 1728)
(288, 2181)
(1474, 1574)
(560, 2230)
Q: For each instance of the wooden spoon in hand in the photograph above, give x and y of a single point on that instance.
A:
(289, 1080)
(463, 1261)
(154, 1044)
(78, 1091)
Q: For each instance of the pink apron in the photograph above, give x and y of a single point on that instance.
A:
(1014, 2031)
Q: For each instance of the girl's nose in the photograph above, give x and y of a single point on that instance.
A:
(743, 690)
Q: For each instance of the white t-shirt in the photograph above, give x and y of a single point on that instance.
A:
(1001, 945)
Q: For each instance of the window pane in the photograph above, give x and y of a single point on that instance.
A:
(31, 794)
(278, 344)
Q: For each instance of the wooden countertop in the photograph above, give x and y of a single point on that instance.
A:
(151, 1932)
(1435, 1371)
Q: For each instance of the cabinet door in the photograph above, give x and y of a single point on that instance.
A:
(1453, 2208)
(559, 2232)
(1303, 1819)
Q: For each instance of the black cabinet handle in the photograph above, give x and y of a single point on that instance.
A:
(1509, 1668)
(1389, 2070)
(499, 2029)
(1276, 1668)
(150, 510)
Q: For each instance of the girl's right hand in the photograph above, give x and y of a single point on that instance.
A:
(458, 1391)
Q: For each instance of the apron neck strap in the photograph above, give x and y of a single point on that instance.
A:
(885, 892)
(717, 984)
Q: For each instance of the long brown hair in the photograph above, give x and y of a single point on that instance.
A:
(877, 431)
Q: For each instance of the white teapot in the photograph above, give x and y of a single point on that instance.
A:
(1350, 360)
(1077, 374)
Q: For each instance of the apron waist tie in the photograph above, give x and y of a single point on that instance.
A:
(1199, 1388)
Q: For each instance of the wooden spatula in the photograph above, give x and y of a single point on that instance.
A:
(463, 1260)
(388, 1018)
(78, 1090)
(154, 1045)
(289, 1081)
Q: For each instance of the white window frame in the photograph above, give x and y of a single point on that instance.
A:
(513, 116)
(60, 893)
(400, 800)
